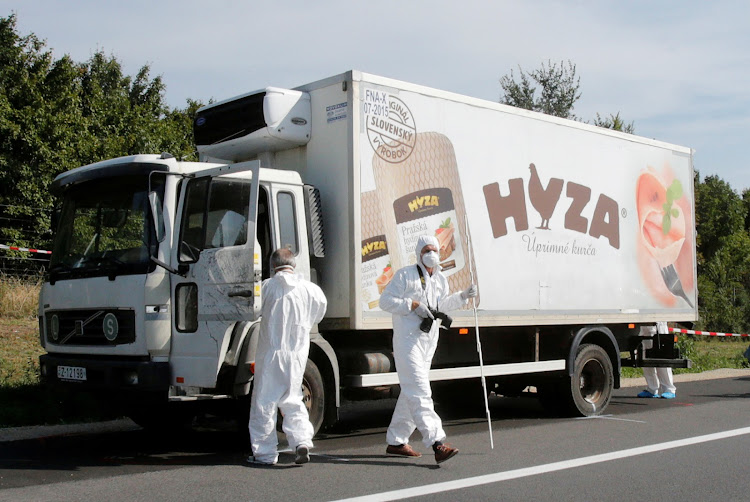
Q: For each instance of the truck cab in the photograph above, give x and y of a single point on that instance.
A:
(154, 289)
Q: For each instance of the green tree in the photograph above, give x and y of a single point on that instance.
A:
(38, 130)
(56, 115)
(559, 89)
(614, 122)
(557, 96)
(720, 212)
(746, 203)
(723, 259)
(724, 297)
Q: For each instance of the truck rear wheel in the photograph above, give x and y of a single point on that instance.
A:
(587, 391)
(592, 381)
(313, 395)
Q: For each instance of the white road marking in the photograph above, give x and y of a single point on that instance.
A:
(418, 491)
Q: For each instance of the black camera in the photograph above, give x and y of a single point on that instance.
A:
(445, 319)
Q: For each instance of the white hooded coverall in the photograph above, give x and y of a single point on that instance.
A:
(413, 349)
(291, 306)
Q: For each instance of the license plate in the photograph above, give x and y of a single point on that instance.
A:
(71, 373)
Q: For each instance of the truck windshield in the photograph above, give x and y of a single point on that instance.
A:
(104, 229)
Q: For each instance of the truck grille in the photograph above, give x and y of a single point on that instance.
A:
(90, 327)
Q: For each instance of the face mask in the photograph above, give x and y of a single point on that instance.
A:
(430, 259)
(284, 268)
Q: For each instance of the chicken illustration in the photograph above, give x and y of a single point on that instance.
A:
(543, 199)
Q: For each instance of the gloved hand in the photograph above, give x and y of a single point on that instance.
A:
(470, 292)
(423, 311)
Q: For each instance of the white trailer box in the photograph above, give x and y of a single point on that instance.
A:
(567, 221)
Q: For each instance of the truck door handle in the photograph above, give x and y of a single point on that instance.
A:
(245, 293)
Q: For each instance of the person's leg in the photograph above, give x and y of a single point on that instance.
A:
(296, 422)
(402, 425)
(262, 425)
(666, 382)
(652, 381)
(413, 366)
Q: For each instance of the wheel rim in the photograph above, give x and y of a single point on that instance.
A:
(591, 381)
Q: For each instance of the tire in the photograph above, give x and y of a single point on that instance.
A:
(313, 395)
(592, 382)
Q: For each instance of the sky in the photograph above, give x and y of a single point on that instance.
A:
(679, 70)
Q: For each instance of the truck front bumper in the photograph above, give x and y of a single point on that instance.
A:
(104, 374)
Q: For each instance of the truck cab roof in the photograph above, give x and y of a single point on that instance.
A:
(147, 163)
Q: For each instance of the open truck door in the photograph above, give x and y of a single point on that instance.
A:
(217, 254)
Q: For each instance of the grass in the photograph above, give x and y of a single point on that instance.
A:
(18, 297)
(20, 350)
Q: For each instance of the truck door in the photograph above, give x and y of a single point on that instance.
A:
(217, 249)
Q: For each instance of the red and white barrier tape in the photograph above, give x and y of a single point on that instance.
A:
(28, 250)
(707, 333)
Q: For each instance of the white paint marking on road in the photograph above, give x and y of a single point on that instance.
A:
(458, 484)
(610, 417)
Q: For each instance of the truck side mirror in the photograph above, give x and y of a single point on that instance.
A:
(157, 215)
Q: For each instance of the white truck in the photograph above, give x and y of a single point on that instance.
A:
(577, 237)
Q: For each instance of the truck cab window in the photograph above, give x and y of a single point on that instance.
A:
(226, 220)
(287, 222)
(216, 214)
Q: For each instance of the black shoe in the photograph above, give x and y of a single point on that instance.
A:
(303, 455)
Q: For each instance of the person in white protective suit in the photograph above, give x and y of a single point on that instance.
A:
(291, 306)
(658, 380)
(409, 296)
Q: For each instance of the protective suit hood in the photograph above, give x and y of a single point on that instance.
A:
(425, 240)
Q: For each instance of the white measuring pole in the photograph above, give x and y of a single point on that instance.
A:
(476, 331)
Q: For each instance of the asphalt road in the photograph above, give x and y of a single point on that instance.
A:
(691, 448)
